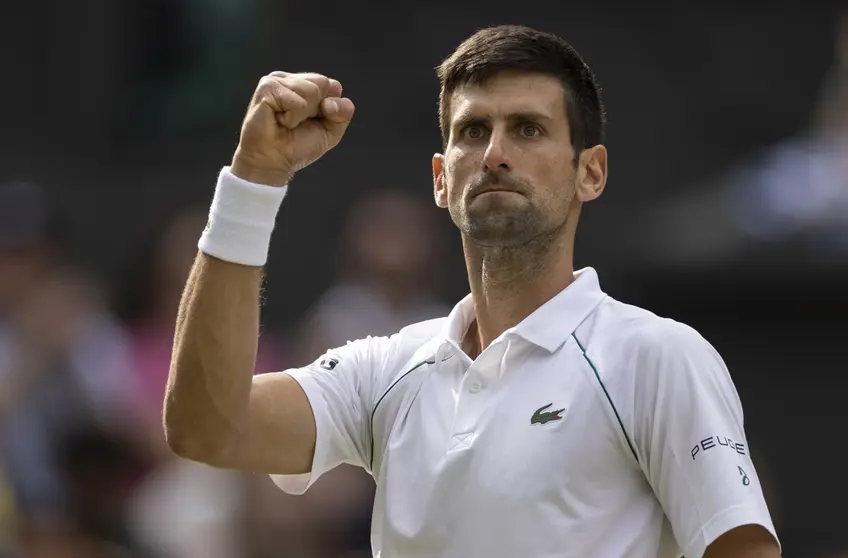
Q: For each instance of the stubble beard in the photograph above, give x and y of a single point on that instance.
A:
(501, 227)
(511, 245)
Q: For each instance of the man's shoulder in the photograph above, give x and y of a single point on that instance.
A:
(638, 332)
(391, 356)
(415, 343)
(634, 350)
(405, 342)
(422, 332)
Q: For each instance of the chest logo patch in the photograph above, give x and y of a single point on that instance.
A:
(542, 416)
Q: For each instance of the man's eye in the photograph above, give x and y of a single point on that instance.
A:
(530, 131)
(473, 132)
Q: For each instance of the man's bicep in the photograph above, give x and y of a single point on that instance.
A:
(280, 436)
(693, 444)
(277, 435)
(746, 541)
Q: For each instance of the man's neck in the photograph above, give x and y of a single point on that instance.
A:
(509, 284)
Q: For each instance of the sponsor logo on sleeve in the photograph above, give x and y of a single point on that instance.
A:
(745, 480)
(327, 362)
(717, 442)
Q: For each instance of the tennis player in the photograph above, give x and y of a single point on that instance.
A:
(542, 417)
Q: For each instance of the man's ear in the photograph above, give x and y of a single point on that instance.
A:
(440, 190)
(591, 173)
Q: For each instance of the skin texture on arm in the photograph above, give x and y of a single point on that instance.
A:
(216, 411)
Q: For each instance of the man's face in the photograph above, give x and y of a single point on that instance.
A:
(508, 173)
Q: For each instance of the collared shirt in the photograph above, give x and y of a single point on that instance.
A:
(592, 428)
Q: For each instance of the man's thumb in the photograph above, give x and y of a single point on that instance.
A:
(337, 113)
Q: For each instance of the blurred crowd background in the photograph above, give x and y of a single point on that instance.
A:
(727, 208)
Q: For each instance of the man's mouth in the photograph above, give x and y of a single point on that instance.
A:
(489, 190)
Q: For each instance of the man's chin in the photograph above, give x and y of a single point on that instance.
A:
(498, 230)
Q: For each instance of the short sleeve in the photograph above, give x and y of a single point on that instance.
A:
(340, 387)
(691, 440)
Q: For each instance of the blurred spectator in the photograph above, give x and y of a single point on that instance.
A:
(793, 195)
(64, 372)
(29, 233)
(389, 271)
(188, 510)
(800, 188)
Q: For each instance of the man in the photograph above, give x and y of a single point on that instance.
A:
(542, 417)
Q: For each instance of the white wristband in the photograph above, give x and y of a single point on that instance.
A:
(241, 220)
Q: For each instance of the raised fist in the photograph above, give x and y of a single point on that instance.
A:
(293, 119)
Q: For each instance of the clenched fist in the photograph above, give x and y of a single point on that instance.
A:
(292, 120)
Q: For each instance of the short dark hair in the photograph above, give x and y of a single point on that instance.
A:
(494, 50)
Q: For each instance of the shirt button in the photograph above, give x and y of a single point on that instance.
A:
(475, 387)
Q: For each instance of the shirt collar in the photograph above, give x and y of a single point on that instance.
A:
(551, 324)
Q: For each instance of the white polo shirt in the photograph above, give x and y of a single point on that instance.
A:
(592, 428)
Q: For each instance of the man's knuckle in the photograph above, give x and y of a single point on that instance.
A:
(265, 82)
(311, 89)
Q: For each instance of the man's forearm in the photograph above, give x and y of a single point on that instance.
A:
(213, 358)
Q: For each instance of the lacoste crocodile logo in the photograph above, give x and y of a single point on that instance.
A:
(543, 417)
